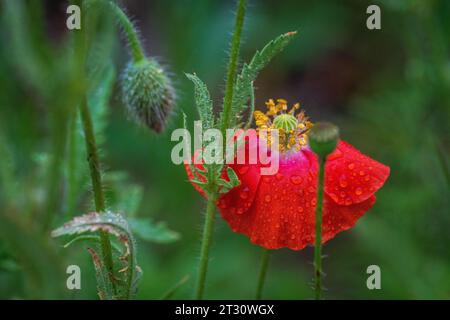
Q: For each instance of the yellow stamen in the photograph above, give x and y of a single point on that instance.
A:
(296, 134)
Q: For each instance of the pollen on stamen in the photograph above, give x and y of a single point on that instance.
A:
(292, 126)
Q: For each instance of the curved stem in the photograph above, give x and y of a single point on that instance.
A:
(206, 244)
(318, 236)
(130, 31)
(99, 198)
(265, 257)
(232, 65)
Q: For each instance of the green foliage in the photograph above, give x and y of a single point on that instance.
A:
(244, 82)
(147, 230)
(116, 225)
(104, 288)
(225, 185)
(39, 263)
(170, 293)
(203, 102)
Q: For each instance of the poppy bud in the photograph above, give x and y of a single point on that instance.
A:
(148, 93)
(323, 138)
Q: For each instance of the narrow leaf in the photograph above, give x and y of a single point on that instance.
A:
(103, 286)
(169, 293)
(202, 101)
(250, 71)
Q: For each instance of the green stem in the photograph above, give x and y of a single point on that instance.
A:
(318, 237)
(232, 65)
(265, 257)
(99, 198)
(130, 31)
(206, 244)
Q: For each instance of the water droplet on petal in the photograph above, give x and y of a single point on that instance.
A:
(243, 170)
(343, 182)
(240, 211)
(267, 198)
(358, 191)
(361, 173)
(351, 166)
(244, 193)
(296, 179)
(300, 209)
(279, 176)
(266, 179)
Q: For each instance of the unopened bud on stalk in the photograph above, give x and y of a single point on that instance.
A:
(148, 93)
(323, 138)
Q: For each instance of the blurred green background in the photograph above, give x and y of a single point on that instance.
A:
(388, 90)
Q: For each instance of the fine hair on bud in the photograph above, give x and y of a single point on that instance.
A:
(148, 93)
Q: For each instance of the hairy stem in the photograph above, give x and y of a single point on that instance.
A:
(318, 236)
(206, 244)
(130, 32)
(265, 257)
(96, 178)
(232, 65)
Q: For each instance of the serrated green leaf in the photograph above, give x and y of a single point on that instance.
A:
(252, 107)
(202, 101)
(250, 71)
(101, 274)
(153, 232)
(234, 180)
(116, 225)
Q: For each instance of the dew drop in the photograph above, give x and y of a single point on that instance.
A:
(266, 179)
(244, 193)
(267, 198)
(296, 180)
(358, 191)
(351, 166)
(240, 211)
(300, 209)
(279, 176)
(343, 182)
(243, 170)
(361, 173)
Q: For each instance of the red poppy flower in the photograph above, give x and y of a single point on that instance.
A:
(278, 210)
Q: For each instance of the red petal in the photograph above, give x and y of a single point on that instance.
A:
(351, 177)
(279, 211)
(337, 218)
(282, 214)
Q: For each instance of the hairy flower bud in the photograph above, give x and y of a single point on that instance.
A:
(148, 93)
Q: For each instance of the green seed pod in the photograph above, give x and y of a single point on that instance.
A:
(148, 93)
(287, 122)
(323, 138)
